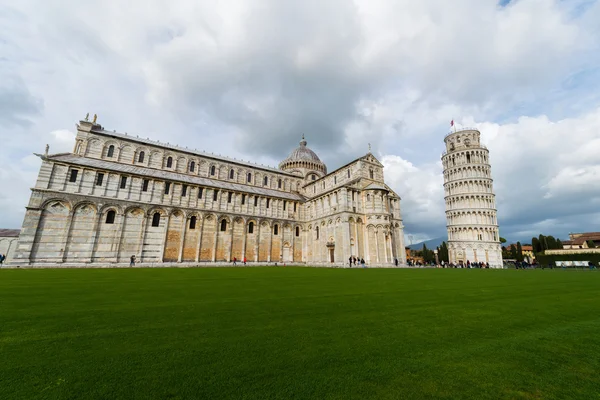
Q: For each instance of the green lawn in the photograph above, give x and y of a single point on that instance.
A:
(297, 333)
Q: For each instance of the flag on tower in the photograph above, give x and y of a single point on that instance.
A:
(452, 123)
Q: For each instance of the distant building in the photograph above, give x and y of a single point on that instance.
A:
(578, 243)
(527, 251)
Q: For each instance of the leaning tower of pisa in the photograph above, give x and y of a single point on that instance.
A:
(470, 201)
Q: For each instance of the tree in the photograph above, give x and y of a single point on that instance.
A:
(445, 255)
(519, 252)
(513, 252)
(551, 242)
(535, 243)
(591, 244)
(543, 244)
(502, 240)
(559, 244)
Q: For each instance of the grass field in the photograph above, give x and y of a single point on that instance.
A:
(296, 333)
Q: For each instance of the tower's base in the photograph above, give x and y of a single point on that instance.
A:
(459, 252)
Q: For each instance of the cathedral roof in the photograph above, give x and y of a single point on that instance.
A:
(303, 153)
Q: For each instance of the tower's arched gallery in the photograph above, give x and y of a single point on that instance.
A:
(116, 196)
(470, 201)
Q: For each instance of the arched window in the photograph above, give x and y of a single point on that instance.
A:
(249, 178)
(169, 162)
(313, 177)
(111, 151)
(468, 158)
(251, 227)
(141, 156)
(275, 229)
(265, 181)
(279, 184)
(231, 173)
(156, 219)
(348, 173)
(192, 166)
(212, 170)
(371, 173)
(317, 229)
(335, 180)
(223, 225)
(193, 222)
(368, 197)
(297, 231)
(110, 217)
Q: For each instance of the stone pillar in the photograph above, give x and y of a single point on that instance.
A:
(164, 242)
(120, 236)
(377, 245)
(270, 243)
(142, 238)
(27, 236)
(67, 233)
(390, 248)
(230, 249)
(95, 234)
(244, 241)
(356, 243)
(366, 235)
(214, 252)
(257, 244)
(182, 239)
(346, 232)
(199, 245)
(292, 242)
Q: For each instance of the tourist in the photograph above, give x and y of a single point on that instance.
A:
(244, 260)
(396, 261)
(354, 260)
(350, 261)
(234, 260)
(132, 261)
(362, 262)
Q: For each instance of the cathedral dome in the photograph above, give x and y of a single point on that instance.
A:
(304, 158)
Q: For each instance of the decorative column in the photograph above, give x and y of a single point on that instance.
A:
(182, 239)
(65, 244)
(120, 236)
(95, 234)
(142, 236)
(257, 244)
(377, 245)
(346, 232)
(216, 237)
(244, 241)
(367, 252)
(230, 249)
(199, 245)
(164, 243)
(28, 235)
(270, 243)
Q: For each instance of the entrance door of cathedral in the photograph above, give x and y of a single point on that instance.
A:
(331, 257)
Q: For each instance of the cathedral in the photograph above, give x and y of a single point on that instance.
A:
(117, 196)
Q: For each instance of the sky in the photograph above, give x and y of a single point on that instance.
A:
(247, 79)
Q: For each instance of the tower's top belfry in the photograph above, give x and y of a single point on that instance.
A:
(462, 139)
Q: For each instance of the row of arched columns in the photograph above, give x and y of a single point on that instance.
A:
(471, 186)
(471, 217)
(86, 233)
